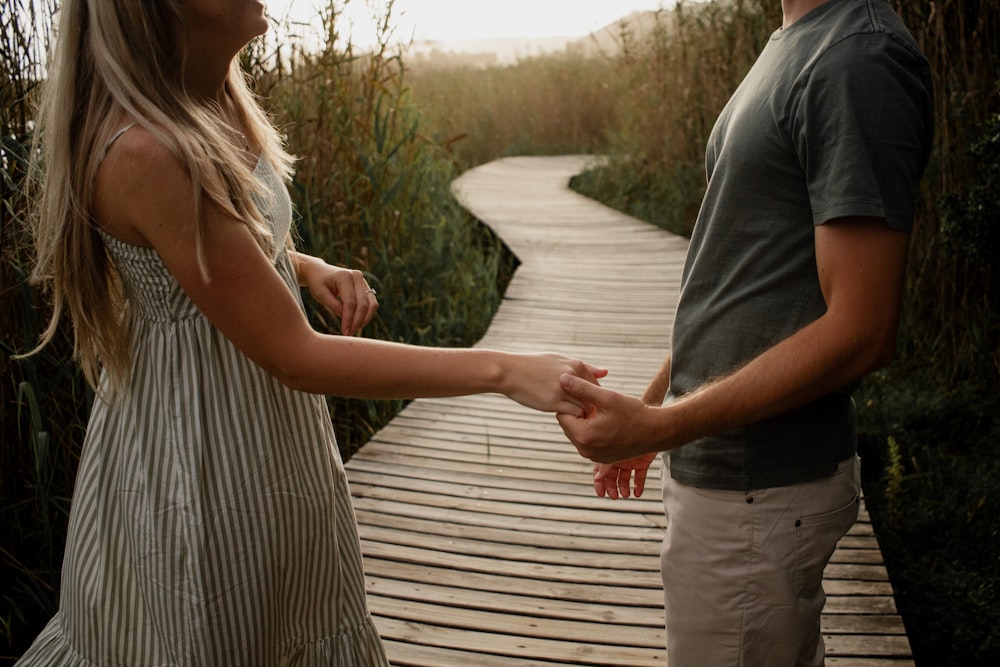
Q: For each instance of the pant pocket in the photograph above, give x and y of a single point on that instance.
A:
(816, 538)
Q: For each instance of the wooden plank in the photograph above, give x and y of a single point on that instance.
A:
(417, 528)
(383, 575)
(483, 541)
(863, 624)
(550, 552)
(531, 605)
(415, 655)
(596, 519)
(865, 661)
(550, 496)
(857, 645)
(542, 573)
(870, 604)
(573, 651)
(522, 625)
(406, 463)
(398, 506)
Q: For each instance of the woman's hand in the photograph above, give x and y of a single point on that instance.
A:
(614, 479)
(533, 380)
(343, 292)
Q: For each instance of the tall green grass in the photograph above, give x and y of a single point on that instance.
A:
(556, 104)
(42, 400)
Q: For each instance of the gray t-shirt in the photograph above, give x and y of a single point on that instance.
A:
(834, 119)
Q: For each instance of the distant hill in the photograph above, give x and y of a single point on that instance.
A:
(508, 50)
(608, 40)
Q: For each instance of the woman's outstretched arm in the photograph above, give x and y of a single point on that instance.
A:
(147, 190)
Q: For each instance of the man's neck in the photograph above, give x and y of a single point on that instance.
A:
(793, 10)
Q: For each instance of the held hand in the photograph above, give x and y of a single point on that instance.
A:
(614, 479)
(534, 381)
(345, 293)
(610, 430)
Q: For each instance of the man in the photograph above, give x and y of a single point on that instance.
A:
(791, 293)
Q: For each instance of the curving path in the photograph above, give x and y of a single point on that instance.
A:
(484, 544)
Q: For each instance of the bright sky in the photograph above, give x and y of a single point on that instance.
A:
(449, 20)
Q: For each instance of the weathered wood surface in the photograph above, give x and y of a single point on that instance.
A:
(484, 544)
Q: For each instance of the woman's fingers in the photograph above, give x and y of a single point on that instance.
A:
(358, 301)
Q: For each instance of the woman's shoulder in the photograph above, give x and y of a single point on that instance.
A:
(132, 142)
(138, 171)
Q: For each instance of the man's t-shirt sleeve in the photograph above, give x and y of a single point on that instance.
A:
(863, 126)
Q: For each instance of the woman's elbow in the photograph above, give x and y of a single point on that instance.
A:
(294, 380)
(291, 367)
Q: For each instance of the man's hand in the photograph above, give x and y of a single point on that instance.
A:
(613, 428)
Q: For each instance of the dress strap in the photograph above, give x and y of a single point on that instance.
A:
(113, 139)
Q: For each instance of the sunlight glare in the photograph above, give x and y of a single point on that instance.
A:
(448, 20)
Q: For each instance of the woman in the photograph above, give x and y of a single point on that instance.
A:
(211, 523)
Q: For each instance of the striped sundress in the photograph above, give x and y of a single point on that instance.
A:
(211, 523)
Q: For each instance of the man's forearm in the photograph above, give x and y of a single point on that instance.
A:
(861, 266)
(812, 363)
(658, 386)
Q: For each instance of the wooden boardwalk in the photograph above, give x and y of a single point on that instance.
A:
(484, 544)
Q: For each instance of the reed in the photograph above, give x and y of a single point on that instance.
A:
(41, 399)
(546, 105)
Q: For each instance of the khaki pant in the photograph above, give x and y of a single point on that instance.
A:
(742, 571)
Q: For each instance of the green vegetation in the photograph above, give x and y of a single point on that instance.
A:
(381, 138)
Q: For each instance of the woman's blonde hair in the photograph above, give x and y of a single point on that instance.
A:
(115, 60)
